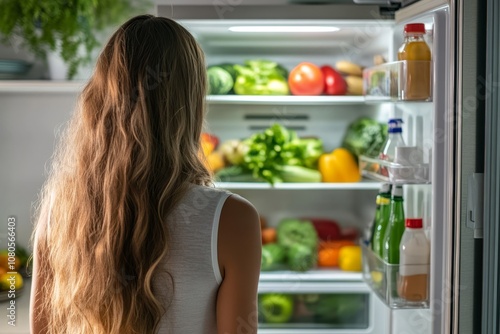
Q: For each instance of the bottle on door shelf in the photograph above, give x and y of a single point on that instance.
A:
(394, 139)
(381, 222)
(414, 262)
(418, 66)
(395, 229)
(385, 190)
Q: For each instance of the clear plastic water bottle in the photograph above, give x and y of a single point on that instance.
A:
(394, 139)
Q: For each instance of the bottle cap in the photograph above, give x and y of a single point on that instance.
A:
(395, 125)
(385, 188)
(413, 222)
(415, 28)
(397, 191)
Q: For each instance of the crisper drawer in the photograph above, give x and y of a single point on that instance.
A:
(316, 307)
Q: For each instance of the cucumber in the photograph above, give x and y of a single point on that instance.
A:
(299, 174)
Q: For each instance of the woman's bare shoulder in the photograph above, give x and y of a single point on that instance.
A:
(239, 231)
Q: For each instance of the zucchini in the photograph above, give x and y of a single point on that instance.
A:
(299, 174)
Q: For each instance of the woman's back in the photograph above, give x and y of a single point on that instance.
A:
(191, 264)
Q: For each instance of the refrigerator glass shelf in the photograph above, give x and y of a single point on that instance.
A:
(383, 280)
(317, 275)
(364, 185)
(63, 86)
(398, 81)
(285, 99)
(394, 173)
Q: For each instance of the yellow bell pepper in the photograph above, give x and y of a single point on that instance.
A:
(338, 166)
(350, 258)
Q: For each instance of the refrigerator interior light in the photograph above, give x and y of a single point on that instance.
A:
(283, 29)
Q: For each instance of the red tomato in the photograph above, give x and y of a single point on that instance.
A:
(306, 79)
(334, 81)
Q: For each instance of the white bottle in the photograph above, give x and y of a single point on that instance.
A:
(414, 258)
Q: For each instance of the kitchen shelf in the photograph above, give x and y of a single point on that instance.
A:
(41, 86)
(368, 185)
(285, 99)
(318, 275)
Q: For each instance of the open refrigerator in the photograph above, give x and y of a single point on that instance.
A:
(431, 125)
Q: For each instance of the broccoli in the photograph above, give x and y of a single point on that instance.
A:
(365, 136)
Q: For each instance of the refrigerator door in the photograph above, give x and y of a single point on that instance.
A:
(431, 126)
(491, 285)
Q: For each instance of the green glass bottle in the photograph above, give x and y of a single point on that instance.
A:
(381, 220)
(396, 228)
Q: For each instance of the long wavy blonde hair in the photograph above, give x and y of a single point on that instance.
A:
(126, 158)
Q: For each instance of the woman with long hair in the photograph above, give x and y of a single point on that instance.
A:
(130, 235)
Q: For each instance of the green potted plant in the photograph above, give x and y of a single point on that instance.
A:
(67, 27)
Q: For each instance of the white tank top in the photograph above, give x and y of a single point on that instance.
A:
(192, 264)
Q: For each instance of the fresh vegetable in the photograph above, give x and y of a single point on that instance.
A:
(299, 174)
(334, 83)
(295, 231)
(273, 257)
(233, 151)
(266, 66)
(364, 136)
(301, 257)
(269, 235)
(276, 307)
(328, 257)
(350, 258)
(271, 151)
(235, 174)
(327, 229)
(339, 166)
(303, 151)
(306, 79)
(260, 77)
(229, 68)
(219, 80)
(337, 308)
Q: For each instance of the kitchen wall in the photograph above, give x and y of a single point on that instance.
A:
(29, 122)
(28, 126)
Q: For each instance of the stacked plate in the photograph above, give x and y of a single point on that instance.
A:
(13, 69)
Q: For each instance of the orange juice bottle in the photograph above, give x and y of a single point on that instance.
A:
(418, 66)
